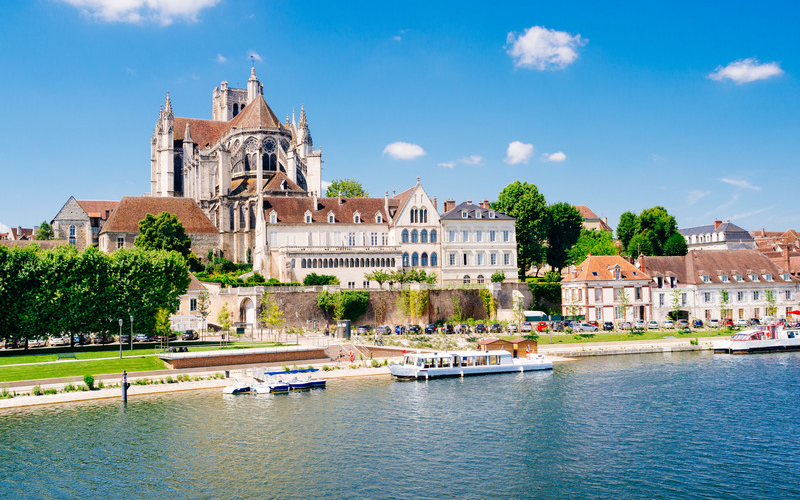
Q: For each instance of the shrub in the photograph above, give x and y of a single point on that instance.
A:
(170, 380)
(498, 277)
(141, 381)
(89, 381)
(50, 391)
(37, 390)
(315, 279)
(376, 363)
(100, 384)
(69, 387)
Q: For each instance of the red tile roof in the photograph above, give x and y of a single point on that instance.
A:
(714, 263)
(292, 209)
(204, 132)
(97, 208)
(132, 209)
(256, 114)
(586, 212)
(600, 268)
(43, 244)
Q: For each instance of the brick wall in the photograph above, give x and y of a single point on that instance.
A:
(244, 359)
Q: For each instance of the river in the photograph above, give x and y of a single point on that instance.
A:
(676, 425)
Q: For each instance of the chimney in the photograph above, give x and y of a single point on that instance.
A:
(435, 205)
(640, 262)
(315, 205)
(763, 233)
(484, 204)
(469, 202)
(717, 223)
(449, 204)
(786, 260)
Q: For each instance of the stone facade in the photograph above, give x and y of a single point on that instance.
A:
(79, 222)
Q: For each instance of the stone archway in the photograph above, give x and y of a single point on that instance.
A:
(247, 312)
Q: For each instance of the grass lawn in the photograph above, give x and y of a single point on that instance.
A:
(615, 336)
(113, 352)
(79, 368)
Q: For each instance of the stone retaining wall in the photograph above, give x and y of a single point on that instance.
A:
(243, 359)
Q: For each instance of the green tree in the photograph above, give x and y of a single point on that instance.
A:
(163, 232)
(623, 302)
(676, 245)
(346, 188)
(163, 324)
(315, 279)
(44, 231)
(271, 314)
(724, 301)
(498, 277)
(203, 307)
(640, 244)
(344, 304)
(224, 318)
(563, 230)
(627, 227)
(380, 276)
(658, 225)
(769, 297)
(595, 242)
(676, 303)
(524, 202)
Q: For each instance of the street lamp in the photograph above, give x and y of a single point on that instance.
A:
(131, 332)
(120, 338)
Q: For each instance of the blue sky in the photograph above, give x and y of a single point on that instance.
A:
(691, 105)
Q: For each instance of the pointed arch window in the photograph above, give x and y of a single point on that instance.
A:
(308, 217)
(357, 218)
(405, 260)
(414, 236)
(434, 259)
(424, 216)
(424, 260)
(331, 218)
(404, 237)
(414, 259)
(433, 236)
(423, 236)
(379, 218)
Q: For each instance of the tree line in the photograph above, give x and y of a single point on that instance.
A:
(65, 291)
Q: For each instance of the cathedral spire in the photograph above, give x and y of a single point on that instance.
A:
(168, 105)
(187, 136)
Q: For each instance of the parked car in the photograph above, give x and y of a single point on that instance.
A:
(740, 322)
(399, 329)
(102, 338)
(80, 339)
(60, 340)
(608, 326)
(414, 329)
(362, 330)
(11, 343)
(527, 326)
(586, 327)
(541, 326)
(754, 321)
(125, 338)
(727, 322)
(37, 342)
(383, 330)
(713, 323)
(480, 328)
(683, 323)
(698, 323)
(652, 325)
(144, 337)
(512, 327)
(190, 335)
(639, 324)
(171, 336)
(495, 328)
(593, 322)
(557, 326)
(449, 329)
(625, 325)
(668, 324)
(430, 328)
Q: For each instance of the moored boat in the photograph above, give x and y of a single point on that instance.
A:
(768, 338)
(464, 363)
(238, 387)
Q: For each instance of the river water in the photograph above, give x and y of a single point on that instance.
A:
(690, 425)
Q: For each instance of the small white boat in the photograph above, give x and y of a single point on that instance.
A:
(464, 363)
(238, 387)
(761, 339)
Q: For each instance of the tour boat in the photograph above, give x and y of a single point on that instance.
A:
(761, 339)
(462, 363)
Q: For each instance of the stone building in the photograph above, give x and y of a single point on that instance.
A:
(718, 236)
(80, 221)
(122, 226)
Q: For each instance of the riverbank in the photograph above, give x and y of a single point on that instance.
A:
(168, 381)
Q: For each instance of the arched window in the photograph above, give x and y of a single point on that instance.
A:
(314, 263)
(405, 260)
(414, 236)
(273, 217)
(466, 279)
(372, 263)
(357, 218)
(379, 218)
(232, 214)
(423, 236)
(346, 263)
(252, 214)
(405, 236)
(273, 163)
(325, 263)
(241, 217)
(414, 259)
(393, 262)
(335, 262)
(178, 174)
(424, 261)
(480, 278)
(434, 259)
(433, 236)
(302, 263)
(424, 215)
(383, 262)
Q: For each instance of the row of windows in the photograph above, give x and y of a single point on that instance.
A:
(480, 259)
(417, 260)
(345, 263)
(742, 296)
(479, 279)
(419, 215)
(418, 237)
(479, 236)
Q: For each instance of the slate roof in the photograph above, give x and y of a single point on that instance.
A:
(292, 210)
(690, 268)
(455, 213)
(132, 209)
(732, 231)
(601, 268)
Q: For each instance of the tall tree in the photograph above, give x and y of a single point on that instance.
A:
(524, 202)
(626, 228)
(658, 225)
(595, 242)
(44, 231)
(346, 188)
(163, 232)
(271, 314)
(676, 245)
(563, 230)
(640, 244)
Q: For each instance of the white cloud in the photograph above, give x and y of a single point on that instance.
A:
(746, 70)
(397, 38)
(543, 49)
(741, 184)
(518, 152)
(656, 157)
(163, 12)
(749, 214)
(255, 55)
(447, 164)
(4, 229)
(130, 71)
(695, 195)
(221, 59)
(325, 185)
(403, 151)
(556, 157)
(472, 159)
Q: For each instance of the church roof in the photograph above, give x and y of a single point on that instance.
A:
(275, 184)
(292, 210)
(204, 132)
(97, 208)
(247, 186)
(132, 209)
(256, 114)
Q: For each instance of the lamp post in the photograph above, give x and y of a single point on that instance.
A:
(120, 338)
(131, 332)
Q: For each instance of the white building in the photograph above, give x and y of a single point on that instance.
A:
(476, 243)
(717, 236)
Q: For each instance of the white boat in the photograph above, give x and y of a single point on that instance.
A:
(760, 339)
(238, 387)
(463, 363)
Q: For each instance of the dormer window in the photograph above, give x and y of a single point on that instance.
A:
(273, 217)
(491, 214)
(379, 218)
(331, 218)
(308, 217)
(768, 277)
(357, 218)
(753, 277)
(617, 274)
(594, 273)
(724, 278)
(477, 214)
(738, 277)
(464, 214)
(706, 278)
(786, 277)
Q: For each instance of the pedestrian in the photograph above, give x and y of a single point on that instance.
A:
(327, 329)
